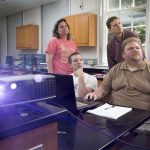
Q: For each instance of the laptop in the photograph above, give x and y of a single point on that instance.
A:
(65, 95)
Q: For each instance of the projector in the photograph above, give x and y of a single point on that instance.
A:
(26, 88)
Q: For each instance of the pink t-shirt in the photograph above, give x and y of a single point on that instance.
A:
(61, 49)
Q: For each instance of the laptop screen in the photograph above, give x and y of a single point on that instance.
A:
(65, 95)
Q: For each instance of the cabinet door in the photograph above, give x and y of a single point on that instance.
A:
(19, 37)
(92, 29)
(27, 37)
(34, 36)
(70, 20)
(82, 29)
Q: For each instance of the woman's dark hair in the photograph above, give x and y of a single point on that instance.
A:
(55, 29)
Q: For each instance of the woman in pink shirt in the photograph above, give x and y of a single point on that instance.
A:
(59, 49)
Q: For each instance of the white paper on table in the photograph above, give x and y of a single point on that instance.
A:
(110, 111)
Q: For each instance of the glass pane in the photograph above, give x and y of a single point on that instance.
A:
(113, 4)
(126, 3)
(140, 2)
(139, 17)
(126, 19)
(113, 14)
(141, 33)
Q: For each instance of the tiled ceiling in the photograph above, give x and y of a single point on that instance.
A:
(9, 7)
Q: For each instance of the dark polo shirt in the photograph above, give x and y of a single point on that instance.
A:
(114, 54)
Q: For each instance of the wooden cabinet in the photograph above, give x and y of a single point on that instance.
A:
(27, 37)
(83, 28)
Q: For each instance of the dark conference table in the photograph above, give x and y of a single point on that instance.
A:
(134, 141)
(98, 133)
(90, 133)
(21, 118)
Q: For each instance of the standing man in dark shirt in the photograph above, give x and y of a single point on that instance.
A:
(114, 54)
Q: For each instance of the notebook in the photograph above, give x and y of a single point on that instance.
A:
(110, 111)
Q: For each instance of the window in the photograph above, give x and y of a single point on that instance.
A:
(132, 14)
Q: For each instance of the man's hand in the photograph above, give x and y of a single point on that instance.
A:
(79, 72)
(90, 97)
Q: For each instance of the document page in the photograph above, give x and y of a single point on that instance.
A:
(110, 111)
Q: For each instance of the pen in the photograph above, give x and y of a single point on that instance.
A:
(109, 107)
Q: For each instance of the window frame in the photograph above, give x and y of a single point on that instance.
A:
(104, 31)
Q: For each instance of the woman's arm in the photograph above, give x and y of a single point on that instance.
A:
(49, 61)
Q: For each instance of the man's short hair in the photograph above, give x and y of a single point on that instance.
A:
(70, 57)
(109, 20)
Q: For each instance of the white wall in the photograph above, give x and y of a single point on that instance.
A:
(50, 14)
(45, 17)
(147, 46)
(8, 32)
(3, 40)
(12, 22)
(33, 16)
(82, 6)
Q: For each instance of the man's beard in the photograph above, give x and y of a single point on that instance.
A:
(136, 57)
